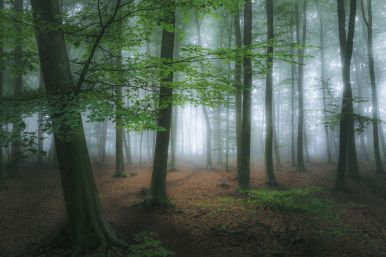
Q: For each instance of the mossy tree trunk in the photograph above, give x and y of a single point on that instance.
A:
(86, 226)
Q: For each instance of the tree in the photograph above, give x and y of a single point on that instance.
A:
(238, 91)
(204, 109)
(323, 79)
(347, 141)
(301, 39)
(244, 171)
(158, 196)
(2, 173)
(18, 125)
(370, 51)
(271, 179)
(86, 226)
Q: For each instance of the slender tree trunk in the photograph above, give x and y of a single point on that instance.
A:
(86, 226)
(238, 93)
(346, 122)
(18, 125)
(271, 179)
(301, 40)
(141, 149)
(204, 109)
(244, 172)
(2, 171)
(293, 74)
(119, 134)
(127, 144)
(374, 95)
(158, 195)
(363, 145)
(323, 81)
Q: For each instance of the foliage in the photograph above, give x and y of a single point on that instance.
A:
(146, 246)
(285, 205)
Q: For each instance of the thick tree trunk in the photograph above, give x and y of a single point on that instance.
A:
(244, 172)
(374, 95)
(86, 226)
(271, 179)
(347, 151)
(301, 51)
(158, 196)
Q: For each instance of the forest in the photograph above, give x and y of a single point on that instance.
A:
(192, 128)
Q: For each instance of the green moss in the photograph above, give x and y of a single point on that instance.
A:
(146, 246)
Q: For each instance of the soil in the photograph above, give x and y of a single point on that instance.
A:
(209, 219)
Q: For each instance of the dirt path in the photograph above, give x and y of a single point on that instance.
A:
(32, 208)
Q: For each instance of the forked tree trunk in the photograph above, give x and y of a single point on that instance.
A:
(347, 151)
(86, 226)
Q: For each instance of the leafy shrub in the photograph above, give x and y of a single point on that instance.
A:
(146, 246)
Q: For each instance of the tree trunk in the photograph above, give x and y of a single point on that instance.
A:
(86, 226)
(271, 179)
(127, 145)
(347, 139)
(244, 172)
(374, 95)
(204, 109)
(238, 94)
(323, 81)
(293, 74)
(158, 195)
(301, 51)
(18, 125)
(2, 173)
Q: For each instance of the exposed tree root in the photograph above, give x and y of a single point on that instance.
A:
(78, 247)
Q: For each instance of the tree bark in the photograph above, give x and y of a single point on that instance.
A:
(323, 80)
(2, 171)
(18, 125)
(158, 196)
(301, 51)
(86, 226)
(238, 92)
(271, 179)
(244, 172)
(374, 95)
(347, 140)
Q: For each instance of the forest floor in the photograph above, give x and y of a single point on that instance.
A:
(209, 220)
